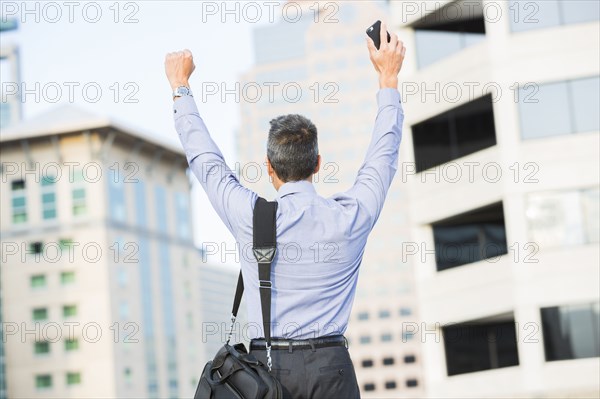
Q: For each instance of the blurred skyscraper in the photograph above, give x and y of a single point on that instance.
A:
(502, 101)
(318, 66)
(103, 291)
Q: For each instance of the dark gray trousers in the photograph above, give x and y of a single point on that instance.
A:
(320, 373)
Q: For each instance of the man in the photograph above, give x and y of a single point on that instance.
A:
(320, 240)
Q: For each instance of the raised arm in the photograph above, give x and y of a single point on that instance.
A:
(381, 161)
(231, 200)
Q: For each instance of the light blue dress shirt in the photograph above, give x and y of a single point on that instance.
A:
(320, 241)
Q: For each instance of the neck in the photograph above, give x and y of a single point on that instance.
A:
(277, 183)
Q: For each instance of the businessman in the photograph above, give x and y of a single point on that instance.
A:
(314, 282)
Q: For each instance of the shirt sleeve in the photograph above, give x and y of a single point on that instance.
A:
(381, 162)
(232, 201)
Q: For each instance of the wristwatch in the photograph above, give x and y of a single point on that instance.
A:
(182, 91)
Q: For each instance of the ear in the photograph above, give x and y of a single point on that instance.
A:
(318, 164)
(270, 170)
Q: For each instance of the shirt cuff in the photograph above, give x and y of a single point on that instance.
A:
(388, 96)
(184, 105)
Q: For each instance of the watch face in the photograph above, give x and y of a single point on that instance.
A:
(182, 91)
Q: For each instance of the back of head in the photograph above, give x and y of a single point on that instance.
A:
(292, 147)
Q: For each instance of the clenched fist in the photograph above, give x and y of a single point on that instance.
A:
(388, 59)
(179, 67)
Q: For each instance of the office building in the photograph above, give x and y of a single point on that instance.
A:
(327, 76)
(102, 287)
(502, 102)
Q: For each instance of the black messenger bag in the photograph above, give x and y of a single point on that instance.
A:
(234, 373)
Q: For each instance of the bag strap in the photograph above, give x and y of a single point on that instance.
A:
(264, 248)
(239, 290)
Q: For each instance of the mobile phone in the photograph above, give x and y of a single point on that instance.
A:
(373, 32)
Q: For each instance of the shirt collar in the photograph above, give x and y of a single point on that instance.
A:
(292, 187)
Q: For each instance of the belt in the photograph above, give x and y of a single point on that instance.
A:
(311, 343)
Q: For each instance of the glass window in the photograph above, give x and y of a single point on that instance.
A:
(78, 176)
(79, 204)
(183, 215)
(544, 110)
(122, 277)
(127, 374)
(116, 198)
(388, 361)
(411, 383)
(527, 14)
(409, 359)
(40, 314)
(78, 193)
(384, 314)
(18, 185)
(369, 386)
(38, 281)
(407, 336)
(41, 347)
(367, 363)
(585, 97)
(67, 277)
(363, 316)
(386, 337)
(405, 312)
(477, 346)
(441, 33)
(365, 339)
(557, 108)
(19, 202)
(43, 381)
(555, 219)
(470, 237)
(73, 378)
(123, 310)
(71, 344)
(36, 247)
(48, 197)
(69, 310)
(141, 217)
(433, 46)
(455, 133)
(65, 243)
(571, 332)
(390, 385)
(161, 209)
(153, 388)
(576, 11)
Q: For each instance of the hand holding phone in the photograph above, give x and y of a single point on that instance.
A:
(374, 32)
(387, 61)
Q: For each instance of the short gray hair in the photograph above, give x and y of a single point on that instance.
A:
(292, 147)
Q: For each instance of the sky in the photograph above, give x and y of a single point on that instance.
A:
(120, 48)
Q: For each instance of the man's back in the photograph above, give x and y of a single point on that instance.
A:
(320, 242)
